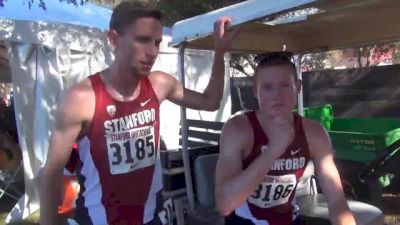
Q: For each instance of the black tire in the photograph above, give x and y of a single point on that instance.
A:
(369, 192)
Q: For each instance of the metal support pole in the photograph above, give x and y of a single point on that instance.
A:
(184, 135)
(300, 102)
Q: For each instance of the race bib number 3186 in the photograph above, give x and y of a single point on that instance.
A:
(131, 150)
(273, 191)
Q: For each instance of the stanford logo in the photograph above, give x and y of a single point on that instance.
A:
(111, 109)
(264, 148)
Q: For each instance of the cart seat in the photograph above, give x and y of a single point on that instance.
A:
(313, 206)
(204, 174)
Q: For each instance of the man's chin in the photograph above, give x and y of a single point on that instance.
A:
(273, 112)
(143, 73)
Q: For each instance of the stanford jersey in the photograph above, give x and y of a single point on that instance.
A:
(272, 201)
(120, 169)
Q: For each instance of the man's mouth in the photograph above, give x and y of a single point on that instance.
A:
(147, 65)
(277, 105)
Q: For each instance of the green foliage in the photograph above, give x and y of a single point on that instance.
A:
(176, 10)
(106, 2)
(396, 57)
(315, 61)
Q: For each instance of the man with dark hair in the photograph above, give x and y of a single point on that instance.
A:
(126, 12)
(114, 117)
(263, 153)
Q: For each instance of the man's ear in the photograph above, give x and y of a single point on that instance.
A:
(113, 38)
(298, 85)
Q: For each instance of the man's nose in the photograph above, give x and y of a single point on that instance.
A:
(278, 92)
(152, 50)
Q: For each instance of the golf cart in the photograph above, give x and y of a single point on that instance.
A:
(313, 26)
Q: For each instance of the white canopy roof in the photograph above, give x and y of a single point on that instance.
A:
(335, 25)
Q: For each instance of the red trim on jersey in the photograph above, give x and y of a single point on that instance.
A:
(280, 214)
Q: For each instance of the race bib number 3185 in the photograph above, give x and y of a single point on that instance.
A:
(131, 150)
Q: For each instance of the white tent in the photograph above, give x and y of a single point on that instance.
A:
(53, 49)
(45, 58)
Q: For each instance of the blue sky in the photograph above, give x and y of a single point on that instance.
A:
(90, 14)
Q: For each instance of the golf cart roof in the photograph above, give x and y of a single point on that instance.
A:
(333, 25)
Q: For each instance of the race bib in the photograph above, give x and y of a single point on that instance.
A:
(273, 191)
(131, 150)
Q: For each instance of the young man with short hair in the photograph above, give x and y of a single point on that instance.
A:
(114, 116)
(263, 154)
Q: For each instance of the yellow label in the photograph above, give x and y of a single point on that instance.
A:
(362, 141)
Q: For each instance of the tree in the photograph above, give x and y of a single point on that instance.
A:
(378, 54)
(383, 53)
(116, 2)
(315, 61)
(396, 57)
(176, 10)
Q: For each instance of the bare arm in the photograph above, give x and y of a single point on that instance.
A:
(212, 95)
(327, 174)
(233, 184)
(69, 119)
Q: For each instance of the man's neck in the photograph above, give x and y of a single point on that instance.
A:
(121, 83)
(264, 118)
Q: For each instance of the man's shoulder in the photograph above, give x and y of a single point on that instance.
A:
(238, 123)
(83, 87)
(162, 83)
(159, 73)
(79, 94)
(315, 133)
(159, 76)
(312, 126)
(237, 134)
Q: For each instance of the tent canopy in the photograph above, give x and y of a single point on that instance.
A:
(334, 25)
(50, 50)
(61, 25)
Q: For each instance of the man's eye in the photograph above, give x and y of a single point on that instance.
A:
(267, 87)
(143, 40)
